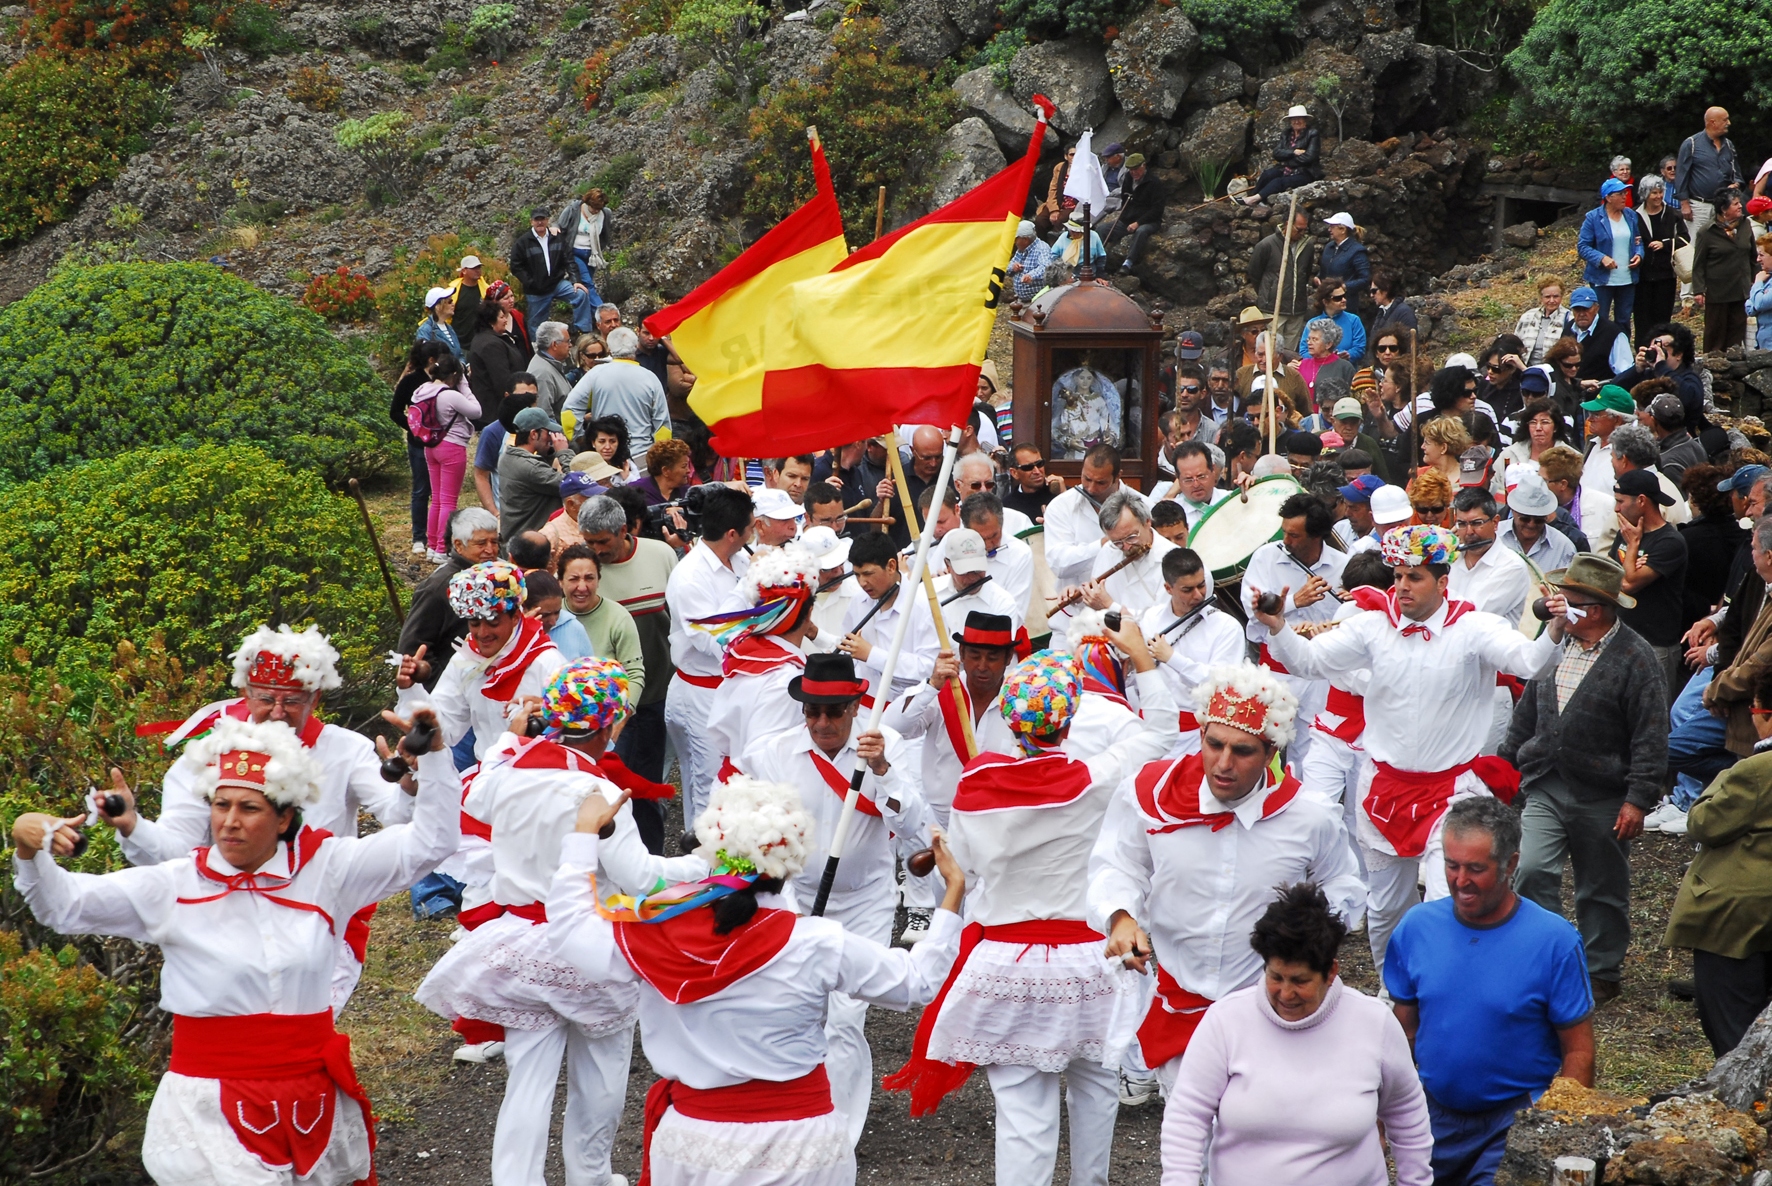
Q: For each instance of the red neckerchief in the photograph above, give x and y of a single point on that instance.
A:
(839, 782)
(950, 716)
(1169, 796)
(307, 843)
(686, 961)
(754, 655)
(999, 782)
(504, 676)
(1366, 597)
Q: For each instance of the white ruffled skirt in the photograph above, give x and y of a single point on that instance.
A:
(810, 1152)
(190, 1143)
(505, 973)
(1036, 1006)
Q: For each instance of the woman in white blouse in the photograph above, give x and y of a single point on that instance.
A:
(261, 1090)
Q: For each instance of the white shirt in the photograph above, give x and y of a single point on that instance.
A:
(985, 599)
(1355, 544)
(866, 874)
(1428, 702)
(1012, 569)
(913, 662)
(747, 707)
(1214, 639)
(242, 953)
(1139, 585)
(698, 587)
(827, 615)
(350, 781)
(918, 714)
(1599, 514)
(1193, 510)
(1014, 522)
(768, 1025)
(1030, 863)
(458, 701)
(1497, 584)
(1553, 550)
(1074, 535)
(1198, 892)
(1271, 570)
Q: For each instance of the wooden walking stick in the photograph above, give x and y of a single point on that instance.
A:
(374, 542)
(883, 694)
(1273, 329)
(880, 213)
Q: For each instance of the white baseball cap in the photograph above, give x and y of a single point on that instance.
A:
(1390, 506)
(1341, 218)
(1461, 360)
(828, 548)
(964, 549)
(470, 261)
(435, 295)
(770, 503)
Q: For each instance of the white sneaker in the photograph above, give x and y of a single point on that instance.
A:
(480, 1052)
(435, 557)
(916, 928)
(1662, 813)
(458, 934)
(418, 547)
(1137, 1089)
(1674, 825)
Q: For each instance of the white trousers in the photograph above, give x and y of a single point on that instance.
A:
(1312, 695)
(596, 1092)
(1331, 774)
(1027, 1122)
(686, 725)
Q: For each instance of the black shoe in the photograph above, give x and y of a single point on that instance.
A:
(1604, 990)
(1682, 990)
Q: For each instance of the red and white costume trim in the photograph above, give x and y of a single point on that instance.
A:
(699, 587)
(239, 946)
(752, 701)
(1196, 873)
(1427, 718)
(735, 1025)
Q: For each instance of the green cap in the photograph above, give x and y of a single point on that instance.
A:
(1612, 398)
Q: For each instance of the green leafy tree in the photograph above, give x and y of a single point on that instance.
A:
(728, 33)
(1646, 69)
(1044, 19)
(1224, 24)
(881, 121)
(383, 144)
(492, 27)
(97, 360)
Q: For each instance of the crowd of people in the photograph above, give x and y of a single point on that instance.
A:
(1514, 616)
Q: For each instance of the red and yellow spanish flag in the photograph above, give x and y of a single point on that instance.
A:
(718, 328)
(893, 334)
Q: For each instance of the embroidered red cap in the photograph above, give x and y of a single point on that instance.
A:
(271, 670)
(242, 768)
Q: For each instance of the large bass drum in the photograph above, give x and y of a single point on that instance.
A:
(1228, 534)
(1044, 587)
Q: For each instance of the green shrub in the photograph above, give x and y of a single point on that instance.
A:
(728, 34)
(257, 29)
(1644, 71)
(1065, 18)
(999, 51)
(400, 296)
(194, 545)
(68, 1078)
(1227, 23)
(383, 145)
(491, 28)
(881, 121)
(66, 125)
(102, 359)
(452, 50)
(615, 177)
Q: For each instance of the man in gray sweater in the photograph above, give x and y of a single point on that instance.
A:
(1590, 740)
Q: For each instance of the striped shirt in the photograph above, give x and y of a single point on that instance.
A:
(637, 584)
(1578, 658)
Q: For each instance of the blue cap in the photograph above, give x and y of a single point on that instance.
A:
(1612, 186)
(577, 482)
(1360, 489)
(1743, 479)
(1535, 381)
(1583, 298)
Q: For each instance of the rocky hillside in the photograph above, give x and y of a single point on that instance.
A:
(244, 164)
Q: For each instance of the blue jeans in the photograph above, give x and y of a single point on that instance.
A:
(1468, 1145)
(581, 263)
(1616, 303)
(421, 488)
(1695, 750)
(435, 894)
(541, 305)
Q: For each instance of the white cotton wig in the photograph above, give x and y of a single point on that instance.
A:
(1085, 624)
(309, 653)
(779, 568)
(1249, 698)
(291, 777)
(764, 823)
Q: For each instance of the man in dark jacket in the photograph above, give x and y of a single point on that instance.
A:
(1723, 273)
(529, 473)
(541, 258)
(1298, 301)
(1668, 355)
(430, 623)
(1142, 212)
(1590, 740)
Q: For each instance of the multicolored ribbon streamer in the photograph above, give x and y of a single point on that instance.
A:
(669, 902)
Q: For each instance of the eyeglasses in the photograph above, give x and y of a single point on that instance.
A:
(1038, 463)
(1460, 524)
(1338, 296)
(1433, 511)
(1194, 389)
(286, 700)
(978, 484)
(1569, 364)
(915, 456)
(1537, 519)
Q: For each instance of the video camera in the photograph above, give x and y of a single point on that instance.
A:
(659, 519)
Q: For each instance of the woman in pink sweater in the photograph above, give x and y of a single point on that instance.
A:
(447, 460)
(1298, 1071)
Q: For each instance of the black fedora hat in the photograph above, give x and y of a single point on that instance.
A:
(987, 630)
(829, 679)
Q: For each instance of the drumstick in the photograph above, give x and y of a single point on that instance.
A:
(832, 583)
(863, 505)
(1070, 599)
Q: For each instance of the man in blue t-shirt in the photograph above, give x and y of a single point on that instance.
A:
(1493, 993)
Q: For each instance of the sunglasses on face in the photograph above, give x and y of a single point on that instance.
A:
(1190, 389)
(1339, 296)
(1433, 511)
(833, 711)
(1387, 348)
(1027, 465)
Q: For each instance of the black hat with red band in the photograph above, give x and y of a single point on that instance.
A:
(829, 679)
(987, 630)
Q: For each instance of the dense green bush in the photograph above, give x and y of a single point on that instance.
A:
(101, 359)
(1225, 24)
(68, 1076)
(1645, 69)
(1065, 18)
(881, 121)
(66, 124)
(194, 545)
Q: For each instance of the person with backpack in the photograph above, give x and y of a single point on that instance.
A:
(442, 417)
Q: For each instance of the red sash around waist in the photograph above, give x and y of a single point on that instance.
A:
(1266, 658)
(277, 1073)
(479, 916)
(1174, 1015)
(1352, 711)
(701, 681)
(758, 1101)
(928, 1081)
(1405, 804)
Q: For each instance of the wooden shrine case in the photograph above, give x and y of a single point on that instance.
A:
(1086, 374)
